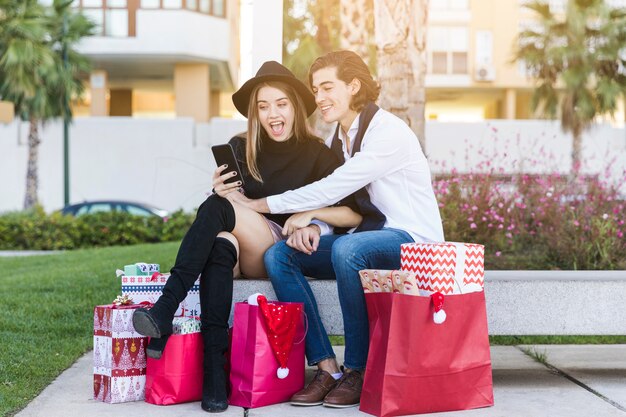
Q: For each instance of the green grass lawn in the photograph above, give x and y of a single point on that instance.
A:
(47, 312)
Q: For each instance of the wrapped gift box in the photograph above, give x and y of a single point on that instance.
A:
(185, 325)
(141, 268)
(119, 355)
(148, 288)
(396, 281)
(447, 267)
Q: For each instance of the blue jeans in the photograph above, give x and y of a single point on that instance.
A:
(339, 257)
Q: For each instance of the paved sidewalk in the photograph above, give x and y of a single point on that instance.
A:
(14, 253)
(583, 381)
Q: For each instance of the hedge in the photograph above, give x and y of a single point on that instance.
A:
(36, 230)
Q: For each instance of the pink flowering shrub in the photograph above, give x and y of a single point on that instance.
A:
(541, 221)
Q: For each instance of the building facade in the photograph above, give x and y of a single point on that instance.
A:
(183, 58)
(471, 73)
(6, 111)
(161, 58)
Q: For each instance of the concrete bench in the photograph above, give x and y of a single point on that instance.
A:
(518, 302)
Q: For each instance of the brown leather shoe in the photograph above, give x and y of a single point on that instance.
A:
(348, 391)
(314, 393)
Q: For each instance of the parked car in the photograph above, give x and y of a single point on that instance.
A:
(90, 207)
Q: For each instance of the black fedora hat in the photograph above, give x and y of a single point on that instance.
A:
(273, 71)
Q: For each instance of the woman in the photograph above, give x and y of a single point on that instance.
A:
(277, 154)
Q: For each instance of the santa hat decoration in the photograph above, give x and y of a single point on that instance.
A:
(439, 316)
(281, 321)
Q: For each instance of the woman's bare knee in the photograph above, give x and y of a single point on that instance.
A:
(232, 239)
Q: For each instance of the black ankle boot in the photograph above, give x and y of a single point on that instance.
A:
(153, 322)
(156, 346)
(214, 384)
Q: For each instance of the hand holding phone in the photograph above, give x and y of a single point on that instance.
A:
(224, 155)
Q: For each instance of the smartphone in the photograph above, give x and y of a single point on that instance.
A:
(224, 154)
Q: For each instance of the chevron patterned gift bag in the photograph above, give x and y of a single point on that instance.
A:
(447, 267)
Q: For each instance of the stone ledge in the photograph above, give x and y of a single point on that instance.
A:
(555, 275)
(518, 302)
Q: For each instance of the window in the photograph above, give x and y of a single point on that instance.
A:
(150, 4)
(96, 16)
(137, 211)
(212, 7)
(437, 38)
(459, 4)
(459, 62)
(109, 16)
(218, 8)
(205, 6)
(94, 208)
(447, 50)
(449, 4)
(116, 18)
(440, 63)
(172, 4)
(116, 23)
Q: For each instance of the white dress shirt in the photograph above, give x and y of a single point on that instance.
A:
(394, 170)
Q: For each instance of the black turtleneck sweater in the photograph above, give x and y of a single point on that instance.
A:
(284, 166)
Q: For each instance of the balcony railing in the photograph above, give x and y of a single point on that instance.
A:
(117, 18)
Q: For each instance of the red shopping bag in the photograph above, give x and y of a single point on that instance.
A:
(417, 366)
(254, 379)
(177, 376)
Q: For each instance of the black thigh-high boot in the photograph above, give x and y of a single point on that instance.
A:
(215, 215)
(216, 295)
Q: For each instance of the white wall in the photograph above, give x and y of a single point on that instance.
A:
(168, 163)
(529, 146)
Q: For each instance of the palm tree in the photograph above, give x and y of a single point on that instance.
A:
(33, 72)
(401, 28)
(357, 28)
(24, 57)
(578, 61)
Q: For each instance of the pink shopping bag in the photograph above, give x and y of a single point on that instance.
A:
(254, 379)
(177, 376)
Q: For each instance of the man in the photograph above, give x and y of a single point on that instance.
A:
(386, 168)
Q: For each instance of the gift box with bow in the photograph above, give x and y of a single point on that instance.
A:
(149, 286)
(119, 353)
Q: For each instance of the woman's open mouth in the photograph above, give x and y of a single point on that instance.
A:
(277, 128)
